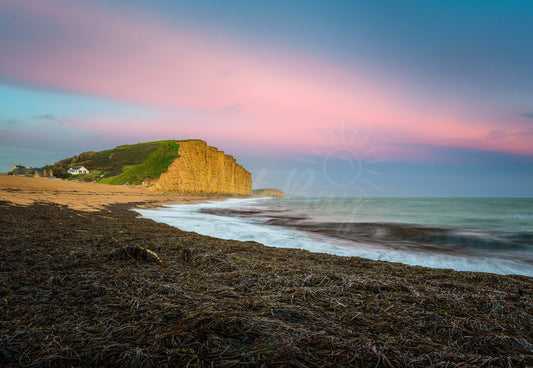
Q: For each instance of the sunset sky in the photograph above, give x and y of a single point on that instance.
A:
(377, 98)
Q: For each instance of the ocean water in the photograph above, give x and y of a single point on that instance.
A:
(466, 234)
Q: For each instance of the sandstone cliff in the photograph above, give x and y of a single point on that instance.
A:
(204, 170)
(268, 192)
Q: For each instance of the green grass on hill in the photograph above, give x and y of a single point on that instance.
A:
(129, 164)
(152, 167)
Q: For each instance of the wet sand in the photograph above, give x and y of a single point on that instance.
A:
(77, 289)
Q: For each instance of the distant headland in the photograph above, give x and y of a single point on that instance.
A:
(268, 192)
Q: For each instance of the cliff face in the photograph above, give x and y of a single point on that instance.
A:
(204, 170)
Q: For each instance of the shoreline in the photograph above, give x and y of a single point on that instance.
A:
(72, 295)
(293, 225)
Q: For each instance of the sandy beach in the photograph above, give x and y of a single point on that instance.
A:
(82, 196)
(85, 282)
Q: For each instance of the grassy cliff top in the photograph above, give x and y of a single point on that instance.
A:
(128, 164)
(268, 192)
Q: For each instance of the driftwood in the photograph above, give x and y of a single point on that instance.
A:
(135, 252)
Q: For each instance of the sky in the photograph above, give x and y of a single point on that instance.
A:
(316, 98)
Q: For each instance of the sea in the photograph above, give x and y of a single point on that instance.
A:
(492, 235)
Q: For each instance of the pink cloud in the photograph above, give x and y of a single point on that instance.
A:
(209, 87)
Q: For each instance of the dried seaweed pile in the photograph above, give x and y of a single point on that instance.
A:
(77, 289)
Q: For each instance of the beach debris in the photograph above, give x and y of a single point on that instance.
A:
(224, 303)
(135, 252)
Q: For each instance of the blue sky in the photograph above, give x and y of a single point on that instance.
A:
(442, 90)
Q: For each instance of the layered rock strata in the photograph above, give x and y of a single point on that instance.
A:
(204, 170)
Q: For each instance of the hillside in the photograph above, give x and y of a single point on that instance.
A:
(188, 167)
(128, 164)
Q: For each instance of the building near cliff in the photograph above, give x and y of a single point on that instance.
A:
(77, 170)
(19, 170)
(22, 170)
(203, 170)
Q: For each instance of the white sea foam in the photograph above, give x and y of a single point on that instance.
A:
(187, 218)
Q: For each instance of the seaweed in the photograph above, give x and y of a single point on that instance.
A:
(91, 289)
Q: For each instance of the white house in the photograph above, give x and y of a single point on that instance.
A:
(77, 170)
